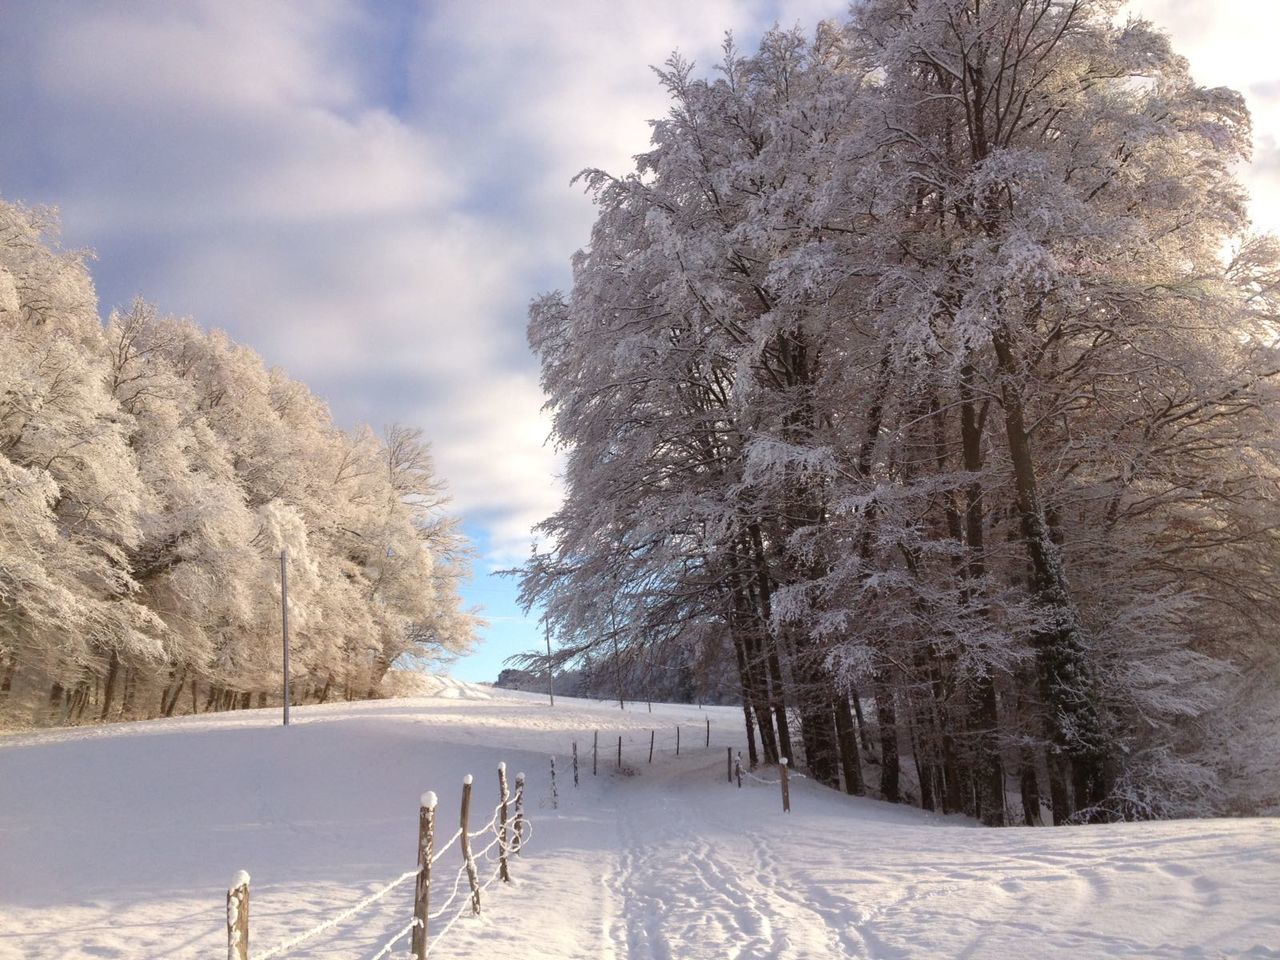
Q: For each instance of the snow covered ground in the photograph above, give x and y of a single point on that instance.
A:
(119, 841)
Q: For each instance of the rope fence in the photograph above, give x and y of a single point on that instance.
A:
(510, 835)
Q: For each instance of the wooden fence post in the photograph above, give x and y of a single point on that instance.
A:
(517, 840)
(238, 917)
(422, 890)
(465, 839)
(677, 740)
(708, 733)
(575, 763)
(619, 751)
(737, 768)
(728, 763)
(786, 790)
(651, 735)
(503, 871)
(555, 797)
(595, 751)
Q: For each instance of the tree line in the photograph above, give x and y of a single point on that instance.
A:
(151, 475)
(923, 373)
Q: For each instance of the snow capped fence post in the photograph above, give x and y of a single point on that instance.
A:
(238, 917)
(422, 889)
(595, 752)
(465, 840)
(652, 733)
(786, 790)
(518, 824)
(728, 763)
(503, 871)
(737, 769)
(555, 797)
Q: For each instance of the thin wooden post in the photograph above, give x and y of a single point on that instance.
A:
(422, 890)
(503, 870)
(786, 788)
(517, 840)
(677, 740)
(595, 752)
(465, 839)
(555, 797)
(708, 733)
(651, 735)
(575, 763)
(238, 917)
(737, 768)
(284, 628)
(728, 763)
(619, 751)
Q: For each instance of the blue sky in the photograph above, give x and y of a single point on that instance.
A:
(369, 193)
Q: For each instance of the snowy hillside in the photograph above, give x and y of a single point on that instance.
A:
(119, 841)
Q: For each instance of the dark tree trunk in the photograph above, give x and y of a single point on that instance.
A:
(130, 692)
(748, 699)
(1030, 788)
(109, 688)
(887, 720)
(986, 717)
(850, 762)
(924, 769)
(168, 705)
(7, 674)
(1065, 679)
(764, 598)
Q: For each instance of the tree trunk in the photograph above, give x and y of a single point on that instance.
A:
(7, 674)
(172, 702)
(850, 762)
(887, 720)
(1030, 788)
(130, 692)
(55, 700)
(1064, 674)
(109, 688)
(924, 769)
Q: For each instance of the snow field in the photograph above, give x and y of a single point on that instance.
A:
(119, 842)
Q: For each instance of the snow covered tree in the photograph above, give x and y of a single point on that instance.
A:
(932, 360)
(150, 475)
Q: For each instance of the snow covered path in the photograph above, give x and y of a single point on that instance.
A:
(119, 842)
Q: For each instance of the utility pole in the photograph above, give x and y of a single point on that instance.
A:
(284, 620)
(551, 677)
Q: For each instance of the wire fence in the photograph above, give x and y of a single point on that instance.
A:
(511, 831)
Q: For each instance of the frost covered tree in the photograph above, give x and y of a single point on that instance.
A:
(150, 475)
(925, 370)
